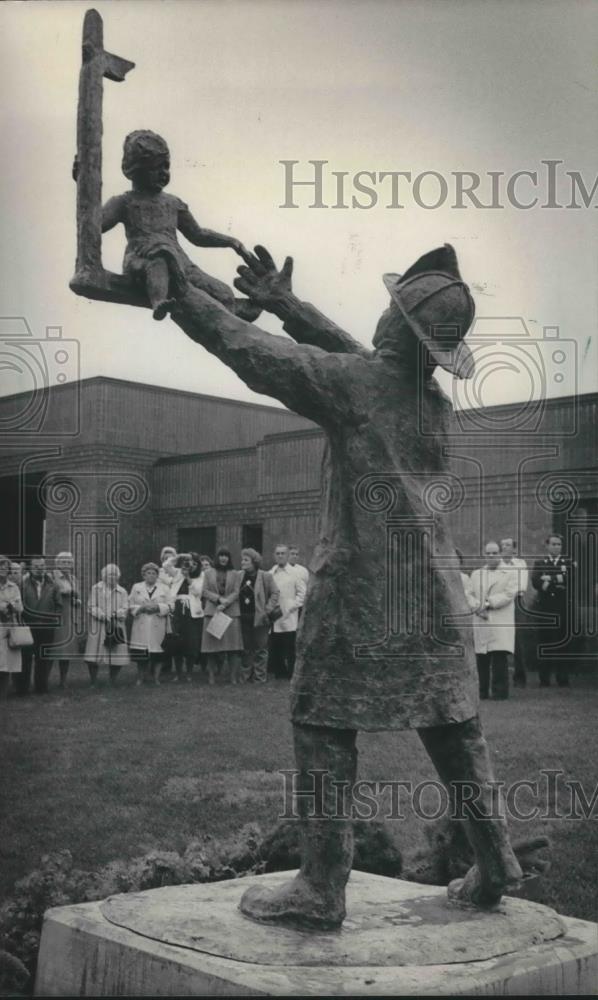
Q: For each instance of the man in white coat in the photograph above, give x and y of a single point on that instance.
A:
(292, 589)
(492, 598)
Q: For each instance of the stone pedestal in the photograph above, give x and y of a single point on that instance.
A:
(398, 939)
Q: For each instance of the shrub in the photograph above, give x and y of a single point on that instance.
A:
(208, 859)
(58, 883)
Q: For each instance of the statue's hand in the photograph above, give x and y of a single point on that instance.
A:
(242, 250)
(260, 280)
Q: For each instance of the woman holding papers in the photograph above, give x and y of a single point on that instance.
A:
(222, 631)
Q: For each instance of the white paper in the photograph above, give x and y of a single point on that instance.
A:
(219, 624)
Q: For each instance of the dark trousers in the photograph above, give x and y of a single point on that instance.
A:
(519, 677)
(281, 656)
(31, 658)
(555, 636)
(547, 663)
(519, 649)
(493, 673)
(254, 658)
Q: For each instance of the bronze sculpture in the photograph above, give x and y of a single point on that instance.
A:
(151, 219)
(370, 404)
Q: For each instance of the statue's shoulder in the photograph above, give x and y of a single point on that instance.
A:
(173, 201)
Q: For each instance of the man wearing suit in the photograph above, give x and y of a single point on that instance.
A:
(551, 579)
(42, 605)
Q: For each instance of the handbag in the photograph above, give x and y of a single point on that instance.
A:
(115, 635)
(19, 636)
(275, 614)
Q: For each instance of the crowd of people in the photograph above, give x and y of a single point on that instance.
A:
(189, 611)
(240, 625)
(496, 594)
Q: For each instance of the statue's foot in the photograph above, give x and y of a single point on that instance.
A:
(163, 308)
(473, 891)
(247, 310)
(295, 904)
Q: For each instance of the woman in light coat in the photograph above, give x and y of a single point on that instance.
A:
(65, 642)
(107, 610)
(149, 607)
(492, 597)
(11, 606)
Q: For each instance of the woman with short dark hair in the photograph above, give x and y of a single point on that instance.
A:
(187, 614)
(221, 592)
(258, 600)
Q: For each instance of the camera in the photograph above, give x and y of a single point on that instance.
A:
(511, 364)
(38, 368)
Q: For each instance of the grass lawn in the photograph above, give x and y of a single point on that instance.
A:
(114, 773)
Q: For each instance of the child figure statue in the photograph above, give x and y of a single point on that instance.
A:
(151, 219)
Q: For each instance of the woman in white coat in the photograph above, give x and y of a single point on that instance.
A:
(149, 607)
(492, 597)
(106, 638)
(11, 607)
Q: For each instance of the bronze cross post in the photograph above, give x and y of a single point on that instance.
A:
(90, 278)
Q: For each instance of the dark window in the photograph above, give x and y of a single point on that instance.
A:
(201, 540)
(23, 515)
(252, 537)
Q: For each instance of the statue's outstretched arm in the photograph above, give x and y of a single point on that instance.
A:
(201, 237)
(306, 379)
(112, 213)
(272, 289)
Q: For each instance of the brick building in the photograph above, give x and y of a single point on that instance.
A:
(113, 470)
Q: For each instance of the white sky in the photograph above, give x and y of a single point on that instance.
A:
(371, 85)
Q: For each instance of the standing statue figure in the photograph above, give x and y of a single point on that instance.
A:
(151, 219)
(371, 406)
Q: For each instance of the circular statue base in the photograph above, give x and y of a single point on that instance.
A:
(389, 923)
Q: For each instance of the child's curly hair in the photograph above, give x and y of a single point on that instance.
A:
(143, 150)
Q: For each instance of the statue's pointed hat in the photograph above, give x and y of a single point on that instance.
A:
(436, 303)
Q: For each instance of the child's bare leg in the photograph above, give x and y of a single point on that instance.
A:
(157, 280)
(213, 286)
